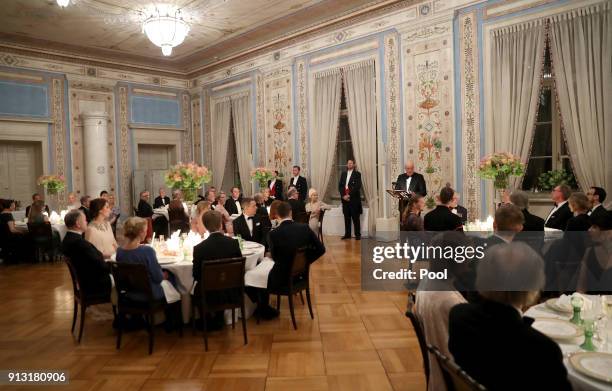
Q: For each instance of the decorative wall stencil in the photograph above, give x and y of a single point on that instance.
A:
(187, 134)
(58, 136)
(278, 123)
(260, 120)
(470, 124)
(124, 152)
(426, 32)
(196, 128)
(206, 130)
(302, 115)
(392, 83)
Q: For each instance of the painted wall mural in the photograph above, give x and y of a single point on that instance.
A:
(187, 133)
(278, 120)
(392, 85)
(302, 115)
(124, 152)
(260, 120)
(196, 129)
(58, 134)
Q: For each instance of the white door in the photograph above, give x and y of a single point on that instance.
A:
(20, 167)
(155, 157)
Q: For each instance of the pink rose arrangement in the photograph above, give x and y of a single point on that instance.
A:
(52, 183)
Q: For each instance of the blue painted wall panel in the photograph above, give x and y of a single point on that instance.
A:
(155, 111)
(22, 99)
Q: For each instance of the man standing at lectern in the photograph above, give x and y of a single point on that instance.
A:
(410, 181)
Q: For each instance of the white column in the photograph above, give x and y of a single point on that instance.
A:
(95, 152)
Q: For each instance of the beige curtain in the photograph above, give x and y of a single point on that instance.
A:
(581, 49)
(517, 59)
(220, 122)
(241, 113)
(360, 94)
(324, 131)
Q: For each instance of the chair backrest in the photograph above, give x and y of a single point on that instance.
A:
(299, 266)
(456, 379)
(132, 280)
(321, 215)
(76, 283)
(418, 330)
(40, 230)
(301, 217)
(222, 274)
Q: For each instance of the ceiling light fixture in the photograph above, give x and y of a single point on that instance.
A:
(165, 27)
(63, 3)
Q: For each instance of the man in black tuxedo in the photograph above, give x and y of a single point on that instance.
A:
(561, 213)
(162, 199)
(144, 209)
(349, 188)
(85, 207)
(262, 213)
(475, 328)
(247, 225)
(532, 222)
(410, 181)
(441, 218)
(297, 206)
(299, 182)
(284, 242)
(233, 203)
(456, 208)
(217, 246)
(35, 197)
(597, 195)
(89, 263)
(276, 187)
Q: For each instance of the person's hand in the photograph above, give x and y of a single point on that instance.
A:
(346, 197)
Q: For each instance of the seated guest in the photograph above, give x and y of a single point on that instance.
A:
(144, 209)
(104, 194)
(508, 279)
(579, 205)
(284, 241)
(532, 222)
(595, 274)
(314, 207)
(508, 221)
(178, 219)
(411, 219)
(266, 197)
(135, 231)
(86, 258)
(85, 207)
(434, 300)
(274, 219)
(233, 204)
(297, 206)
(597, 196)
(72, 201)
(247, 225)
(162, 199)
(561, 213)
(35, 197)
(211, 197)
(177, 195)
(275, 187)
(115, 212)
(36, 215)
(441, 218)
(262, 211)
(220, 207)
(216, 246)
(197, 224)
(99, 231)
(457, 209)
(13, 242)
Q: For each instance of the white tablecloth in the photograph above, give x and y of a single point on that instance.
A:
(579, 381)
(18, 215)
(60, 228)
(333, 222)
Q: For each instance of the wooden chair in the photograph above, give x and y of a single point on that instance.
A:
(301, 218)
(221, 288)
(456, 379)
(135, 297)
(321, 215)
(298, 281)
(41, 235)
(418, 330)
(82, 298)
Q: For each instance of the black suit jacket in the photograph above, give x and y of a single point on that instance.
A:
(241, 228)
(493, 343)
(532, 222)
(462, 213)
(27, 211)
(582, 222)
(89, 263)
(442, 219)
(354, 187)
(230, 206)
(284, 242)
(217, 246)
(558, 220)
(301, 186)
(86, 213)
(297, 207)
(159, 202)
(417, 184)
(144, 209)
(599, 211)
(278, 189)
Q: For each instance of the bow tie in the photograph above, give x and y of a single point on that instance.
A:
(250, 218)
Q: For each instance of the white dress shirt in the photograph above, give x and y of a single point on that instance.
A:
(249, 222)
(294, 180)
(554, 210)
(238, 206)
(272, 183)
(408, 183)
(348, 178)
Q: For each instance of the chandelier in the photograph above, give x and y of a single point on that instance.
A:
(63, 3)
(165, 27)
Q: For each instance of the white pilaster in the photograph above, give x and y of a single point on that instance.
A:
(95, 152)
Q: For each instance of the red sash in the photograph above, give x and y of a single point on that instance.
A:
(273, 190)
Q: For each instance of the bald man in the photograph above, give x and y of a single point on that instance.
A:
(411, 181)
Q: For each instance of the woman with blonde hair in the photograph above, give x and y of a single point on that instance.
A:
(197, 225)
(315, 206)
(220, 207)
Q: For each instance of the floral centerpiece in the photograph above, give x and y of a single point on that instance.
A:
(500, 166)
(262, 175)
(52, 183)
(188, 177)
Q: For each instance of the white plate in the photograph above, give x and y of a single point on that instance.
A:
(552, 303)
(166, 261)
(251, 245)
(557, 329)
(593, 364)
(246, 252)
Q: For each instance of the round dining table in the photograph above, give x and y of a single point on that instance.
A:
(580, 382)
(60, 227)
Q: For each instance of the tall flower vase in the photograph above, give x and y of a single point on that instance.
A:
(189, 194)
(500, 184)
(262, 185)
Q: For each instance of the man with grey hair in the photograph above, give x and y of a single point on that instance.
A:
(532, 222)
(297, 205)
(410, 181)
(491, 340)
(561, 213)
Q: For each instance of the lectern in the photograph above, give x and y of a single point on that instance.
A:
(402, 196)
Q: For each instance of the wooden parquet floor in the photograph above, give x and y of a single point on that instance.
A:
(357, 341)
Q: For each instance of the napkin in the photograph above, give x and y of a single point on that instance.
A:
(565, 301)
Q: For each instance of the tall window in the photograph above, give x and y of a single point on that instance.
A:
(548, 149)
(231, 176)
